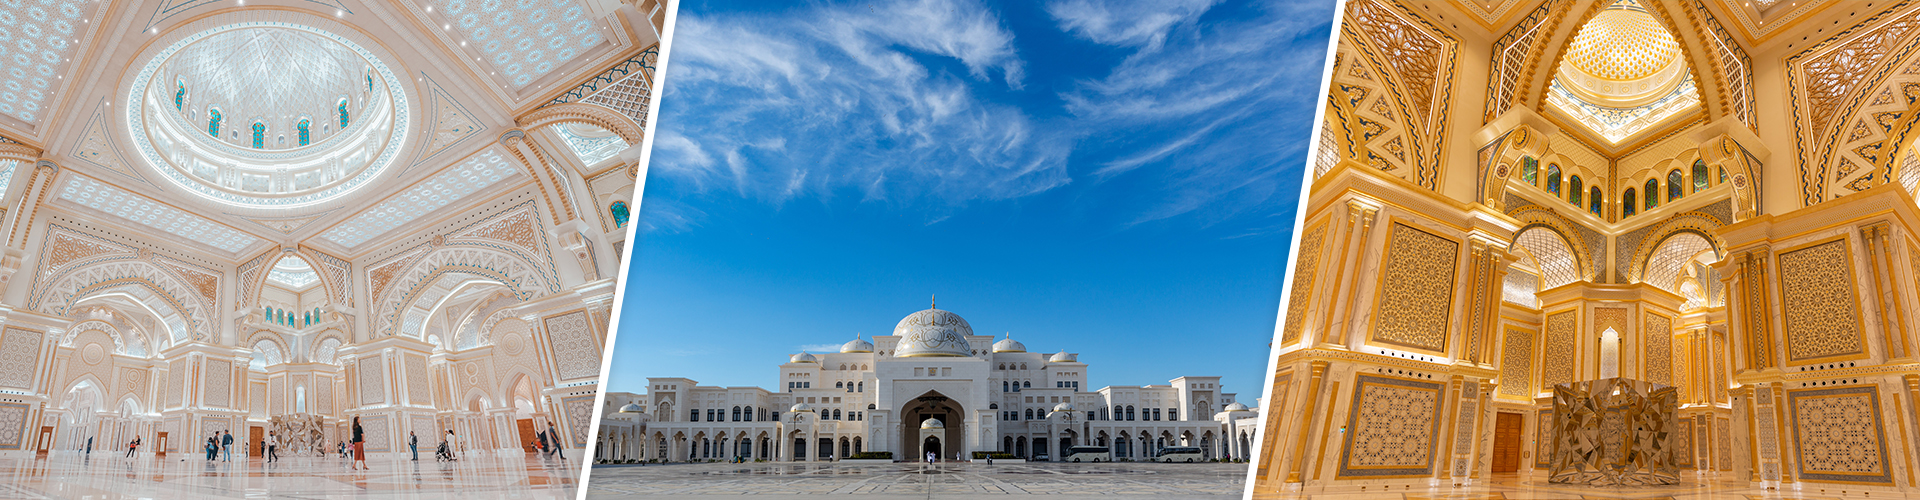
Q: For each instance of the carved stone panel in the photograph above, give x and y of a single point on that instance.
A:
(1416, 289)
(1392, 428)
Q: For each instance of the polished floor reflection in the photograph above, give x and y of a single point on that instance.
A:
(908, 480)
(107, 476)
(1535, 487)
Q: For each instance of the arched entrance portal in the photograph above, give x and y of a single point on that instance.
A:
(931, 445)
(933, 405)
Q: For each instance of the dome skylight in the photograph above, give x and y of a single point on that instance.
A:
(294, 272)
(274, 110)
(1623, 73)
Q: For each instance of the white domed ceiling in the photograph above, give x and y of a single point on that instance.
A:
(1622, 74)
(268, 110)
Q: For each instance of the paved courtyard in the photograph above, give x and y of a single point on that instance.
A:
(907, 480)
(109, 476)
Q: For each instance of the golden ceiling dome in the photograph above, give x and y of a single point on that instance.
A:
(1622, 57)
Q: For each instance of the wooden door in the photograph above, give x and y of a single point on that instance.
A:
(527, 436)
(255, 436)
(160, 444)
(1506, 442)
(46, 440)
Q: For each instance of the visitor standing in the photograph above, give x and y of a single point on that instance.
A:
(89, 445)
(226, 446)
(359, 446)
(413, 444)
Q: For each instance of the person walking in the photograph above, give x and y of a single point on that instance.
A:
(271, 447)
(554, 434)
(226, 446)
(89, 445)
(413, 444)
(452, 444)
(131, 445)
(359, 446)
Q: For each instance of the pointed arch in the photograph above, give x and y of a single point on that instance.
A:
(141, 279)
(411, 278)
(596, 115)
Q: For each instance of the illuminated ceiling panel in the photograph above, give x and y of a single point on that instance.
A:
(293, 272)
(522, 40)
(146, 212)
(1555, 258)
(591, 144)
(37, 40)
(482, 170)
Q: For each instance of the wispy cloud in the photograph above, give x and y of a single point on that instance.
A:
(818, 348)
(930, 105)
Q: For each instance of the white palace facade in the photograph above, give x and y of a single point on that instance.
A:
(933, 372)
(217, 216)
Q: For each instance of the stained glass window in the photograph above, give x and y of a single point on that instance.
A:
(1699, 176)
(1653, 193)
(343, 114)
(1593, 205)
(1626, 203)
(1553, 179)
(259, 135)
(213, 122)
(1675, 183)
(620, 214)
(1723, 173)
(1530, 170)
(180, 97)
(1573, 194)
(268, 314)
(304, 126)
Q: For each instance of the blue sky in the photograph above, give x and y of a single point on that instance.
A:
(1116, 180)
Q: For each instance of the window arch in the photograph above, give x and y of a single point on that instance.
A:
(1653, 193)
(1699, 176)
(1028, 384)
(1626, 203)
(1675, 181)
(259, 135)
(213, 122)
(1553, 179)
(1530, 170)
(1130, 413)
(1574, 188)
(343, 113)
(620, 214)
(305, 127)
(1594, 204)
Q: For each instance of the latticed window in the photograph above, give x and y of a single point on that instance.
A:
(1530, 170)
(1553, 179)
(1573, 194)
(180, 97)
(1593, 205)
(1626, 203)
(213, 122)
(1699, 176)
(1675, 181)
(620, 214)
(343, 114)
(1653, 193)
(259, 135)
(305, 128)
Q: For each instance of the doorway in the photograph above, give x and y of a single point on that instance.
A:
(160, 444)
(527, 436)
(931, 445)
(256, 439)
(1506, 442)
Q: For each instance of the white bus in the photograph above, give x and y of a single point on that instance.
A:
(1088, 454)
(1170, 454)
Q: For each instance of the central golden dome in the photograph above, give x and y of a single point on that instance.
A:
(1623, 43)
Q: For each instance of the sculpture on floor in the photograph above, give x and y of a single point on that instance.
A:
(300, 433)
(1613, 432)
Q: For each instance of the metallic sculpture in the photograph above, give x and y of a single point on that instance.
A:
(1613, 432)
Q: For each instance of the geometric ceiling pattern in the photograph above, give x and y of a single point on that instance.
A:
(146, 212)
(591, 144)
(1667, 264)
(523, 40)
(482, 170)
(37, 37)
(1622, 74)
(6, 174)
(275, 74)
(1554, 257)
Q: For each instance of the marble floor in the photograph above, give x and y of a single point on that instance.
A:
(1517, 487)
(107, 476)
(908, 480)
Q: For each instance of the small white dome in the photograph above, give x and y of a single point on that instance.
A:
(1236, 407)
(1063, 407)
(856, 345)
(805, 358)
(933, 423)
(632, 408)
(801, 407)
(1009, 345)
(1063, 357)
